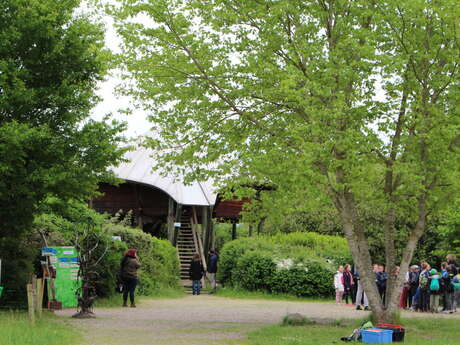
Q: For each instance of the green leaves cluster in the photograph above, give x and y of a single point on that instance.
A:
(353, 102)
(300, 264)
(51, 59)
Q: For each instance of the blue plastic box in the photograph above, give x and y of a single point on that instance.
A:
(377, 336)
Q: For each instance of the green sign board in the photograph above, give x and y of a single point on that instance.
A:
(65, 262)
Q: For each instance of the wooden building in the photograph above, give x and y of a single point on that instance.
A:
(166, 207)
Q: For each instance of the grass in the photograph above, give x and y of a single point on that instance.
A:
(15, 329)
(244, 294)
(418, 332)
(115, 301)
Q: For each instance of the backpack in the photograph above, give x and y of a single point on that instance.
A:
(423, 281)
(456, 284)
(434, 285)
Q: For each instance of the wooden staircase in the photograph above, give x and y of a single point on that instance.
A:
(186, 247)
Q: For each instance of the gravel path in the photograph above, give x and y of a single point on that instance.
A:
(203, 320)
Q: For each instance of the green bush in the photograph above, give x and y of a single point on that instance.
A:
(300, 264)
(159, 260)
(254, 271)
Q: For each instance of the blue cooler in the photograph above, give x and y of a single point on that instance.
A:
(377, 336)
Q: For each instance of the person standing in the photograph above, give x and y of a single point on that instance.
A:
(452, 260)
(338, 284)
(413, 284)
(435, 290)
(449, 289)
(196, 272)
(129, 277)
(347, 279)
(424, 304)
(212, 269)
(382, 277)
(361, 297)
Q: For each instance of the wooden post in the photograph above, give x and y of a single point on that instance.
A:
(30, 301)
(251, 228)
(204, 226)
(234, 231)
(171, 220)
(39, 301)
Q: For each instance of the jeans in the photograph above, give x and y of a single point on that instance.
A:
(129, 285)
(196, 287)
(212, 280)
(456, 300)
(416, 299)
(361, 295)
(450, 301)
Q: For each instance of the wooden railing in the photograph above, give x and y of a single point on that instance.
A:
(196, 230)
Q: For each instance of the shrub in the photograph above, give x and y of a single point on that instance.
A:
(300, 264)
(254, 271)
(160, 263)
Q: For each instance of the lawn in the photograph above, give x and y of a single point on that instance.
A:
(15, 329)
(418, 332)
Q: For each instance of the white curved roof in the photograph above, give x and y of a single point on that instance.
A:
(139, 169)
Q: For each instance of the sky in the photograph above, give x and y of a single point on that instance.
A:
(111, 103)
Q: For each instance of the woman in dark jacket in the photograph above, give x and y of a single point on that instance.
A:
(128, 274)
(196, 272)
(347, 280)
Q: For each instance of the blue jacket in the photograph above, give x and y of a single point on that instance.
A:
(212, 264)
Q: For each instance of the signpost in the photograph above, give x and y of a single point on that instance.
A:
(64, 260)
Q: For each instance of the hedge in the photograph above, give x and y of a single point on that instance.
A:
(300, 264)
(159, 259)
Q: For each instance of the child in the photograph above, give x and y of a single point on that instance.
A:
(338, 284)
(196, 272)
(449, 289)
(434, 283)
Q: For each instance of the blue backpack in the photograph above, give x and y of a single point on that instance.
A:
(434, 285)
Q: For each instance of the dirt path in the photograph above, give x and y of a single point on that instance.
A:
(200, 320)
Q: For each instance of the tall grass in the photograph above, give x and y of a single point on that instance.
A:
(15, 329)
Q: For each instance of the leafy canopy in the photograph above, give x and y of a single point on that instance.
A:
(51, 59)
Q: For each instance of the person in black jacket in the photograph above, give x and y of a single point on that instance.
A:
(212, 268)
(129, 277)
(196, 272)
(452, 260)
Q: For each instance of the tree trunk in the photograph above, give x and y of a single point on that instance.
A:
(354, 232)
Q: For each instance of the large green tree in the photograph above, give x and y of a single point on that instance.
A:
(51, 59)
(353, 100)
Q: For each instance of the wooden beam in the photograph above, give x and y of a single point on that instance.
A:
(171, 220)
(234, 235)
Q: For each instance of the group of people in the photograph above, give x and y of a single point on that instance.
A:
(128, 275)
(425, 289)
(197, 271)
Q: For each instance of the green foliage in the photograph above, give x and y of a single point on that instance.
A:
(350, 104)
(51, 60)
(300, 264)
(159, 260)
(223, 233)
